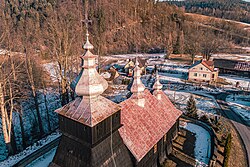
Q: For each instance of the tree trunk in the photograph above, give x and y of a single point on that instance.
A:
(47, 111)
(30, 71)
(13, 140)
(9, 148)
(24, 145)
(40, 124)
(4, 123)
(13, 67)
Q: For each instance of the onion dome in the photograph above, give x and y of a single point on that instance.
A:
(157, 87)
(137, 85)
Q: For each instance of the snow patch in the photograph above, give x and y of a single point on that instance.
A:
(44, 160)
(240, 104)
(202, 149)
(12, 160)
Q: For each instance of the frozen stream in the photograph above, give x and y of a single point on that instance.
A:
(202, 149)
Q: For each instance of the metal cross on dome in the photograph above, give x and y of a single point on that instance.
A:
(86, 21)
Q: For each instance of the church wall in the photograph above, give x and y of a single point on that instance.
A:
(71, 152)
(106, 156)
(103, 129)
(90, 135)
(149, 160)
(74, 128)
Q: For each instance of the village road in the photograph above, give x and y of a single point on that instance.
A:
(241, 126)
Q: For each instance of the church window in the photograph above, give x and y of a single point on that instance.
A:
(195, 74)
(204, 75)
(155, 148)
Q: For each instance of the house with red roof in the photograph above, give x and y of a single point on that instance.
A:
(98, 132)
(203, 71)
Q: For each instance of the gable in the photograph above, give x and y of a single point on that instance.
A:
(199, 67)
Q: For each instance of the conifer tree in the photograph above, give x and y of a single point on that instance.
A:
(191, 107)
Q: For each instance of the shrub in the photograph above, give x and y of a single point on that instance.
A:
(191, 107)
(227, 150)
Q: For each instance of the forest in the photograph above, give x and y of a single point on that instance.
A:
(37, 31)
(237, 10)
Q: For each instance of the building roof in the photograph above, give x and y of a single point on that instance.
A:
(89, 111)
(144, 126)
(142, 62)
(232, 64)
(207, 64)
(112, 74)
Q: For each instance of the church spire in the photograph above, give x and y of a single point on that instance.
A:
(157, 86)
(137, 87)
(86, 21)
(90, 83)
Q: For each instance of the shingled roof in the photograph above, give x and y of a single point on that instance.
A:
(89, 111)
(142, 62)
(232, 64)
(144, 126)
(208, 64)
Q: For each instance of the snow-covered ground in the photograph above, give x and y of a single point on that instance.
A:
(205, 104)
(243, 57)
(171, 78)
(52, 70)
(145, 55)
(12, 160)
(243, 82)
(202, 149)
(44, 160)
(241, 105)
(119, 93)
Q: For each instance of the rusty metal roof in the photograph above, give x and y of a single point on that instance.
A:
(144, 126)
(89, 111)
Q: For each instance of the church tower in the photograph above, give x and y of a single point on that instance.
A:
(90, 123)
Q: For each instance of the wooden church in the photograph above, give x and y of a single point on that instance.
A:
(98, 132)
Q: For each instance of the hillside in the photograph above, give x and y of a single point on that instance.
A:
(237, 10)
(238, 31)
(116, 25)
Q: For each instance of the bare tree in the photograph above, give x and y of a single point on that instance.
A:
(210, 44)
(31, 79)
(192, 45)
(9, 94)
(169, 48)
(63, 48)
